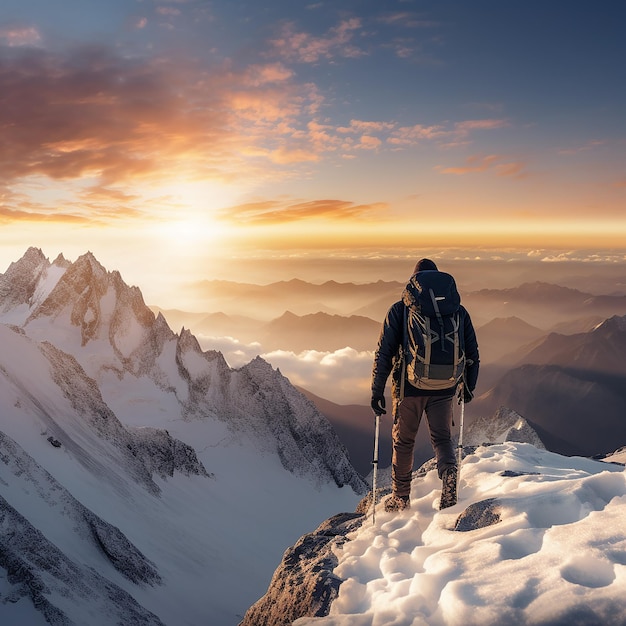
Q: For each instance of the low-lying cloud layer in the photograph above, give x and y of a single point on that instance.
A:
(342, 376)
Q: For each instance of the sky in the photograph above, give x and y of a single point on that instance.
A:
(168, 137)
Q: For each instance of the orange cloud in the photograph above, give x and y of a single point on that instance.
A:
(90, 114)
(360, 126)
(8, 216)
(274, 211)
(493, 162)
(412, 135)
(367, 142)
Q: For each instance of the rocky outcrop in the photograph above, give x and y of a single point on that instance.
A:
(304, 584)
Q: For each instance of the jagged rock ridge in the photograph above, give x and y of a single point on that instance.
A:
(130, 340)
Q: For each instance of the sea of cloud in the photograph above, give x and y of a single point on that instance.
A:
(342, 376)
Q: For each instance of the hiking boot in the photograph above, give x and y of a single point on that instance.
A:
(395, 503)
(448, 488)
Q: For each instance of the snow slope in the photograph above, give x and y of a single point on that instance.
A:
(536, 539)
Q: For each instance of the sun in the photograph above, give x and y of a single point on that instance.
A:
(186, 216)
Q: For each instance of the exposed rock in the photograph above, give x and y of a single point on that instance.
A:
(19, 283)
(164, 455)
(304, 584)
(479, 515)
(145, 450)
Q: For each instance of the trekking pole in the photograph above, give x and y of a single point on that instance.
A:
(375, 464)
(460, 445)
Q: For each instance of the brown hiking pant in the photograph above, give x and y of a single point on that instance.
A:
(407, 417)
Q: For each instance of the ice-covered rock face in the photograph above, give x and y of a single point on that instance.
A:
(51, 388)
(100, 304)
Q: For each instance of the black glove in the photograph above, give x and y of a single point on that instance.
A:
(378, 405)
(467, 395)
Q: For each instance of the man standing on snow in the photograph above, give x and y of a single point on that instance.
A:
(414, 390)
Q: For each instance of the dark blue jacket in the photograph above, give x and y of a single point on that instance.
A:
(393, 338)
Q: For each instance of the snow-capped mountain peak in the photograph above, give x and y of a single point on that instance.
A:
(158, 439)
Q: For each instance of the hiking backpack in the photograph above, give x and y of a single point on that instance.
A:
(435, 356)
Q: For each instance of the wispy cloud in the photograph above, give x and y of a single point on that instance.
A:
(275, 211)
(590, 145)
(467, 126)
(406, 19)
(496, 163)
(26, 214)
(364, 126)
(413, 135)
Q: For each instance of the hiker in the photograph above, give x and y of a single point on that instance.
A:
(413, 393)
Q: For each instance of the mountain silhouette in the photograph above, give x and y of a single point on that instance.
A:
(541, 304)
(505, 336)
(571, 389)
(319, 331)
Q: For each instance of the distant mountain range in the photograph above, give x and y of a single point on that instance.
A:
(539, 304)
(503, 337)
(532, 335)
(297, 296)
(570, 388)
(506, 314)
(313, 331)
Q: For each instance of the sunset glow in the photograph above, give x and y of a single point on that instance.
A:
(190, 131)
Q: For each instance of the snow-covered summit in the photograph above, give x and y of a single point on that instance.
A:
(536, 539)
